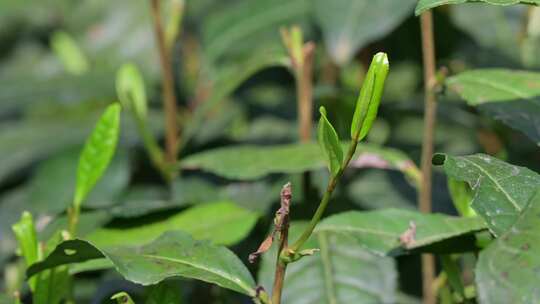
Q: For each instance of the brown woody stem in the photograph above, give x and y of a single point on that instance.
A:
(430, 108)
(169, 97)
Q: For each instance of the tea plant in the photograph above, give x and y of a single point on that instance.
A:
(165, 227)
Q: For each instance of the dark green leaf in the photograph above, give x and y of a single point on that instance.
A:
(222, 223)
(507, 271)
(329, 142)
(370, 96)
(429, 4)
(251, 162)
(341, 272)
(380, 230)
(501, 191)
(97, 152)
(349, 25)
(165, 292)
(174, 253)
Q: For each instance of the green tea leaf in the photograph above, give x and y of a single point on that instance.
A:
(370, 97)
(164, 293)
(512, 97)
(379, 231)
(69, 53)
(131, 91)
(329, 142)
(461, 197)
(501, 191)
(175, 253)
(507, 271)
(495, 85)
(249, 162)
(97, 152)
(25, 233)
(349, 25)
(343, 271)
(424, 5)
(222, 223)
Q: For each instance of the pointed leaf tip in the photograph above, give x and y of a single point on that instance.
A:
(370, 96)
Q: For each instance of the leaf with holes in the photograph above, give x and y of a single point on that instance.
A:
(501, 190)
(174, 253)
(424, 5)
(380, 231)
(97, 152)
(508, 270)
(341, 272)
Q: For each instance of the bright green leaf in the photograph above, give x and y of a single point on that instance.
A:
(122, 298)
(174, 253)
(507, 271)
(370, 96)
(461, 197)
(343, 271)
(130, 90)
(97, 152)
(500, 190)
(329, 143)
(25, 233)
(222, 223)
(349, 25)
(69, 53)
(380, 230)
(424, 5)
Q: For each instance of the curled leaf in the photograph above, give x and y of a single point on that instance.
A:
(329, 142)
(130, 90)
(369, 99)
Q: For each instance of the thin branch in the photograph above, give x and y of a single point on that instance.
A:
(304, 93)
(282, 226)
(430, 107)
(169, 98)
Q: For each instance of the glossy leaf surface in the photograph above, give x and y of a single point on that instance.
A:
(501, 190)
(380, 230)
(507, 271)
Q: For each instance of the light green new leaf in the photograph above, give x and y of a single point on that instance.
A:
(69, 53)
(424, 5)
(222, 223)
(25, 233)
(329, 142)
(512, 97)
(461, 196)
(131, 91)
(97, 152)
(501, 191)
(349, 25)
(249, 162)
(341, 272)
(370, 96)
(379, 231)
(507, 271)
(175, 253)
